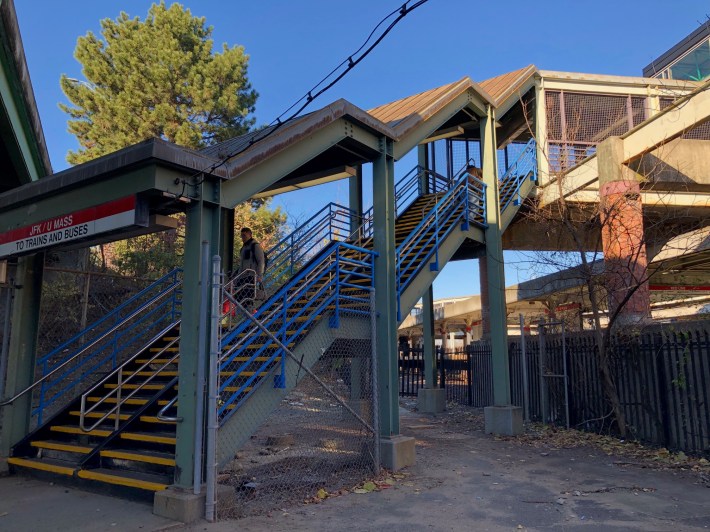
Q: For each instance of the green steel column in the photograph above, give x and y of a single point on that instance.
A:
(428, 337)
(429, 353)
(494, 260)
(202, 223)
(23, 345)
(385, 289)
(226, 240)
(423, 161)
(355, 199)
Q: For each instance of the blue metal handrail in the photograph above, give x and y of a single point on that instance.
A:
(525, 167)
(464, 203)
(291, 311)
(108, 341)
(292, 252)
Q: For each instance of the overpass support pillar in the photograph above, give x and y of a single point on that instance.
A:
(623, 241)
(485, 299)
(431, 398)
(23, 346)
(396, 451)
(502, 417)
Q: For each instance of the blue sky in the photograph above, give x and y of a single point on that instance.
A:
(294, 44)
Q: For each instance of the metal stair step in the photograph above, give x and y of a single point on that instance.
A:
(61, 446)
(58, 467)
(97, 415)
(70, 429)
(130, 479)
(150, 437)
(150, 457)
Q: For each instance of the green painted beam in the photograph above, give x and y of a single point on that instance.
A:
(18, 136)
(385, 290)
(22, 352)
(467, 100)
(268, 172)
(428, 336)
(494, 259)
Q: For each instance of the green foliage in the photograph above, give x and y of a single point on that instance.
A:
(156, 78)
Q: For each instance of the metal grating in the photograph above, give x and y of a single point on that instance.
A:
(577, 122)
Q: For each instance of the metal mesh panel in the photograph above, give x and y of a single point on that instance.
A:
(577, 122)
(308, 427)
(701, 132)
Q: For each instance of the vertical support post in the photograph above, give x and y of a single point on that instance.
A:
(502, 417)
(423, 162)
(213, 392)
(385, 296)
(355, 200)
(428, 349)
(23, 346)
(524, 365)
(202, 223)
(494, 265)
(226, 242)
(5, 339)
(543, 169)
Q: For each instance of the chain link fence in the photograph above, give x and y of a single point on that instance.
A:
(296, 427)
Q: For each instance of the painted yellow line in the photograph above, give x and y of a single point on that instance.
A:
(154, 419)
(162, 373)
(95, 415)
(121, 481)
(136, 457)
(77, 430)
(113, 386)
(61, 447)
(114, 400)
(60, 470)
(148, 438)
(164, 349)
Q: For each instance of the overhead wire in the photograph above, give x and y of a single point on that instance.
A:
(350, 63)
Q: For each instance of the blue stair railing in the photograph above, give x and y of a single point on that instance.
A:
(108, 342)
(462, 205)
(340, 281)
(524, 168)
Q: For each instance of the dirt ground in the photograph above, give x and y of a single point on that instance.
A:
(544, 480)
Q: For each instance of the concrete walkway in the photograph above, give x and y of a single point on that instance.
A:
(463, 480)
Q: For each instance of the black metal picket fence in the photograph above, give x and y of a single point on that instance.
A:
(662, 376)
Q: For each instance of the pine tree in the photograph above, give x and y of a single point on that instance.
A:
(156, 78)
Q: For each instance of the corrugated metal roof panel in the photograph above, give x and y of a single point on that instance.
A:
(501, 86)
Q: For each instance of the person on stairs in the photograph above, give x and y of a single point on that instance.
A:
(251, 259)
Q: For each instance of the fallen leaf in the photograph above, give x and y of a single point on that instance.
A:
(369, 486)
(360, 491)
(322, 494)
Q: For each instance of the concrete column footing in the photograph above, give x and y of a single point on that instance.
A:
(179, 504)
(431, 400)
(397, 452)
(504, 420)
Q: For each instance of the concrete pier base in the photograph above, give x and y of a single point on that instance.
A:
(431, 400)
(397, 452)
(179, 505)
(503, 420)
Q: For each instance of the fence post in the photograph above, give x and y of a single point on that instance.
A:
(524, 365)
(663, 390)
(442, 355)
(469, 374)
(543, 382)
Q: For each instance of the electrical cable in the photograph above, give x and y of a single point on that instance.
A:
(310, 96)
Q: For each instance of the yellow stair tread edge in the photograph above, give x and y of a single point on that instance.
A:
(121, 481)
(54, 446)
(122, 417)
(77, 430)
(131, 401)
(148, 437)
(52, 468)
(125, 455)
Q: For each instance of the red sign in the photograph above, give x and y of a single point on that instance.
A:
(73, 226)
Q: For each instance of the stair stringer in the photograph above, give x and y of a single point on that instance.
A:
(422, 281)
(247, 419)
(506, 217)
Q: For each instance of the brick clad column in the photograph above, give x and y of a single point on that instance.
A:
(623, 240)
